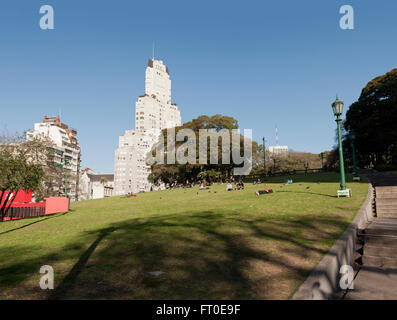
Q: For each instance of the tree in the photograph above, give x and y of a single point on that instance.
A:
(170, 173)
(373, 119)
(103, 180)
(19, 170)
(288, 162)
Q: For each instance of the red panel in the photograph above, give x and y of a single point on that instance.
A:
(21, 197)
(52, 205)
(56, 205)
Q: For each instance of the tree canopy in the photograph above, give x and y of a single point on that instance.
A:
(373, 119)
(19, 170)
(169, 173)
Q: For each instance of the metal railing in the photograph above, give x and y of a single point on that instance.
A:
(22, 211)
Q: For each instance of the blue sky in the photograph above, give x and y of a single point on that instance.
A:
(262, 62)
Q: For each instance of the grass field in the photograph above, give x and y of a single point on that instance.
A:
(209, 244)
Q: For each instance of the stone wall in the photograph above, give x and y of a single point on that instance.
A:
(323, 282)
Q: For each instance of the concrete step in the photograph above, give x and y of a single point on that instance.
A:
(378, 191)
(387, 201)
(386, 215)
(380, 232)
(380, 240)
(385, 205)
(386, 210)
(379, 262)
(386, 188)
(380, 251)
(386, 194)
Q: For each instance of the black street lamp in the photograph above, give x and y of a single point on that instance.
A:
(322, 161)
(337, 108)
(66, 162)
(264, 157)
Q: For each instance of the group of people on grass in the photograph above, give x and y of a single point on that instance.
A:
(231, 185)
(237, 186)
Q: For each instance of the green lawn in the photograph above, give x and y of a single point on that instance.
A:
(209, 244)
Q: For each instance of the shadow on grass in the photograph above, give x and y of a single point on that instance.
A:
(71, 278)
(314, 193)
(203, 255)
(32, 223)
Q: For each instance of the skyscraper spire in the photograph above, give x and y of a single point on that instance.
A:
(276, 135)
(153, 51)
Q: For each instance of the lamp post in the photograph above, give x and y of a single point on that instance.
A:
(264, 157)
(274, 165)
(66, 162)
(337, 108)
(355, 172)
(322, 161)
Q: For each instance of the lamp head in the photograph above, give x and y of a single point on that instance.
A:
(337, 107)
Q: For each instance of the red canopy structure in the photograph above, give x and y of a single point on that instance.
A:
(22, 196)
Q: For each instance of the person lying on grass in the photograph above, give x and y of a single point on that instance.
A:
(264, 191)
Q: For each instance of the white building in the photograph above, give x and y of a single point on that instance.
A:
(278, 150)
(94, 185)
(154, 112)
(66, 147)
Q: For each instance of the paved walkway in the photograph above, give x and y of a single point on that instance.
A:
(374, 284)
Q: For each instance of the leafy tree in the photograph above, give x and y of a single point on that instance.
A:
(170, 173)
(289, 162)
(19, 170)
(30, 165)
(373, 119)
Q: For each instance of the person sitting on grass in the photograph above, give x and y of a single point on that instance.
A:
(258, 181)
(203, 186)
(240, 185)
(229, 186)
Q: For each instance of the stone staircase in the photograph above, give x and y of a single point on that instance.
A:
(379, 238)
(386, 201)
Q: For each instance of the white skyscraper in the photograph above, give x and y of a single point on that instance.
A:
(154, 112)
